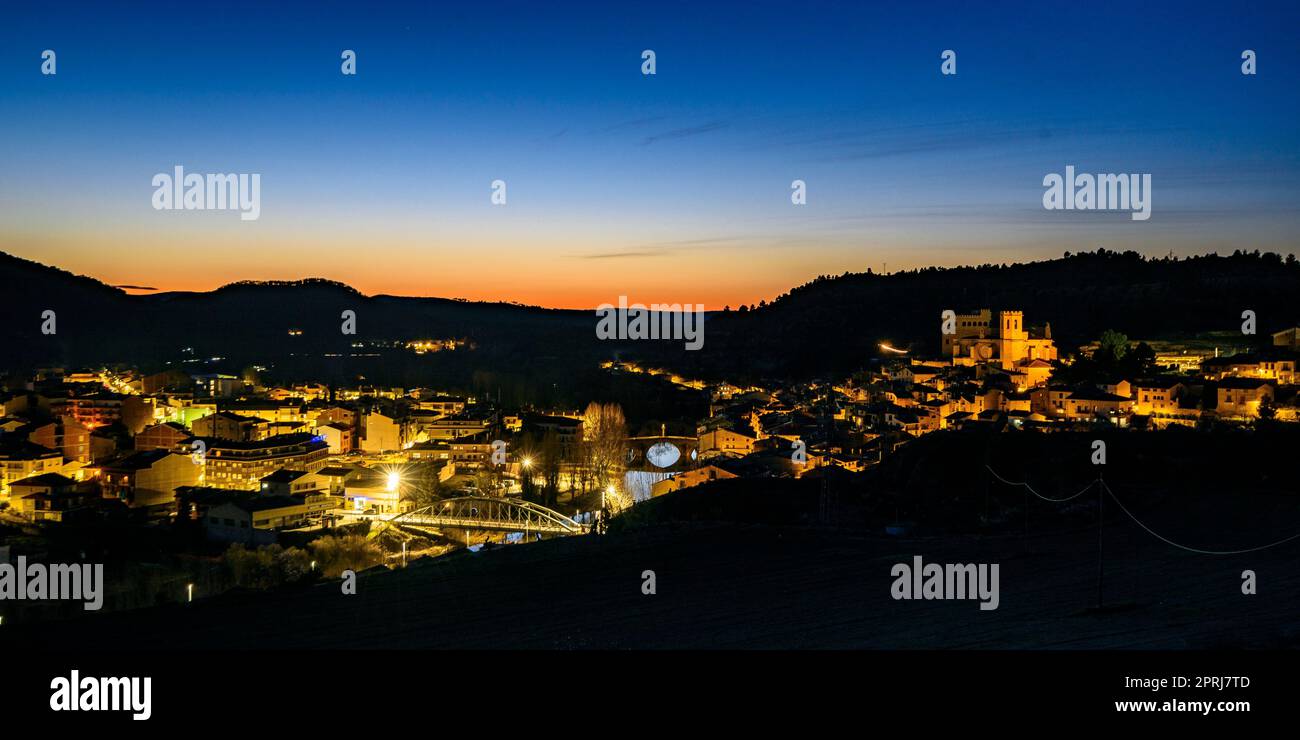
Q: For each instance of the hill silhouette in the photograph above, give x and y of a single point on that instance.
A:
(829, 325)
(834, 324)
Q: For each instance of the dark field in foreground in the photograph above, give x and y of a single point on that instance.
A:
(746, 586)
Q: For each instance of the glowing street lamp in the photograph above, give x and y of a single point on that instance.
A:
(189, 592)
(394, 479)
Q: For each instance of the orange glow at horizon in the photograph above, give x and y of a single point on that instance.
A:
(540, 274)
(530, 293)
(506, 265)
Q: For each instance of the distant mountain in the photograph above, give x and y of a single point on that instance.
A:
(521, 354)
(830, 325)
(98, 323)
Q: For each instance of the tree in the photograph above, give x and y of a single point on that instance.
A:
(1267, 411)
(1141, 360)
(604, 433)
(1113, 346)
(550, 462)
(486, 480)
(528, 484)
(425, 486)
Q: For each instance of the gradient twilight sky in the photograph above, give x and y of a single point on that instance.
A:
(671, 188)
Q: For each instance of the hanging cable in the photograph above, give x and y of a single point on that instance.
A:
(1168, 541)
(1139, 522)
(1036, 493)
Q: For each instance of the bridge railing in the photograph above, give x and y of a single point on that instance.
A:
(495, 513)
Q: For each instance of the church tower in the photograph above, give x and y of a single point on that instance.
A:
(1012, 338)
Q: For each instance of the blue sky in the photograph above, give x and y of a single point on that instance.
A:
(671, 188)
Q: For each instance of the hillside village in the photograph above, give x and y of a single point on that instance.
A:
(242, 461)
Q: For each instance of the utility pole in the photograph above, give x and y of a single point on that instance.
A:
(824, 513)
(1026, 513)
(1101, 563)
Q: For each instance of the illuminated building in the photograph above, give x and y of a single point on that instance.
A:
(91, 409)
(1241, 397)
(727, 442)
(166, 436)
(19, 460)
(688, 479)
(242, 465)
(67, 436)
(433, 425)
(382, 433)
(253, 520)
(1289, 338)
(1161, 396)
(1083, 403)
(337, 435)
(229, 425)
(374, 489)
(216, 385)
(1267, 365)
(47, 497)
(148, 480)
(978, 339)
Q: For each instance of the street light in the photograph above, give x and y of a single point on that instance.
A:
(189, 592)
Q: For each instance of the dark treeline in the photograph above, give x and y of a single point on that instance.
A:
(534, 355)
(835, 324)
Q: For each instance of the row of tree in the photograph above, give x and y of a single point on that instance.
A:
(596, 463)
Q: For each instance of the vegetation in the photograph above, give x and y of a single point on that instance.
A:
(273, 566)
(267, 567)
(834, 324)
(1114, 358)
(335, 554)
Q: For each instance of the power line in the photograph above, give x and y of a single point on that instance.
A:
(1139, 522)
(1166, 540)
(1036, 493)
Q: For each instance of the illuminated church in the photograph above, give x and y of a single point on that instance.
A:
(979, 339)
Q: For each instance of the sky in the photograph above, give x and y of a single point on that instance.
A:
(673, 187)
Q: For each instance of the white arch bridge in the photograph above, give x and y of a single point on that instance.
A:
(487, 514)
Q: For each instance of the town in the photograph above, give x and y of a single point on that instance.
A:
(234, 460)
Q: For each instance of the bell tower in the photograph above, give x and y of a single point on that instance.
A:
(1012, 337)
